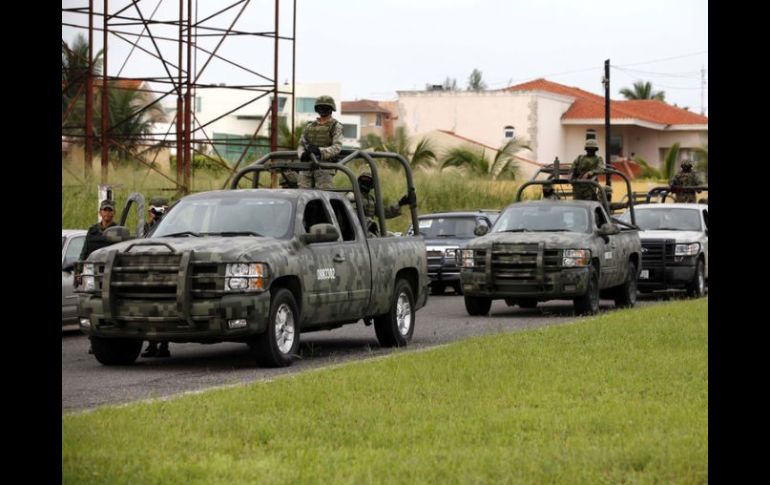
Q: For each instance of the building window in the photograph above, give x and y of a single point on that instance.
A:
(305, 105)
(508, 132)
(349, 131)
(198, 104)
(378, 121)
(616, 146)
(281, 102)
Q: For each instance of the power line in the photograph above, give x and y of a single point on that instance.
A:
(664, 59)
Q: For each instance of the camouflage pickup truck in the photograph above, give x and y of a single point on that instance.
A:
(256, 265)
(553, 249)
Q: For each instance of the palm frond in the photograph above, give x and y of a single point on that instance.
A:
(670, 160)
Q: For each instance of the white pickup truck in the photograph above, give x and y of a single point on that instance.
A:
(675, 247)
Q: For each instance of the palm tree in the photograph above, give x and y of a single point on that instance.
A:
(703, 157)
(504, 164)
(423, 154)
(74, 67)
(642, 90)
(474, 160)
(286, 138)
(669, 161)
(130, 121)
(468, 158)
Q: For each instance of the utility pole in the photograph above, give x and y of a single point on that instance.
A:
(702, 88)
(606, 82)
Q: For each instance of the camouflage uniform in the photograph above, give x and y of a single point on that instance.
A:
(684, 179)
(369, 206)
(95, 236)
(582, 165)
(327, 136)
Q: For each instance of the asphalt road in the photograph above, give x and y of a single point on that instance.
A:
(192, 367)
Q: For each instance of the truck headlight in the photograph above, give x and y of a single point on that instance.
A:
(88, 282)
(687, 249)
(246, 277)
(576, 257)
(467, 258)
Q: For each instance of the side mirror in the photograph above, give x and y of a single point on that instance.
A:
(481, 229)
(321, 233)
(608, 229)
(116, 234)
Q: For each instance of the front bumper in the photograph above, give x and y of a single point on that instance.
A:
(566, 283)
(663, 278)
(205, 320)
(442, 272)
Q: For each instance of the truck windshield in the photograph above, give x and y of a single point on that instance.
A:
(665, 219)
(228, 216)
(435, 227)
(544, 218)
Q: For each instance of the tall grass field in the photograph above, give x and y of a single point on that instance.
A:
(619, 398)
(436, 191)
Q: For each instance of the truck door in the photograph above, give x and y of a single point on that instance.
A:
(608, 254)
(337, 276)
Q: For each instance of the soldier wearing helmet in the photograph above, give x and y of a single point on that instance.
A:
(686, 177)
(586, 167)
(322, 138)
(366, 183)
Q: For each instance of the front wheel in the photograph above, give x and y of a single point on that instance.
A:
(625, 296)
(116, 351)
(395, 328)
(278, 345)
(477, 305)
(588, 304)
(697, 287)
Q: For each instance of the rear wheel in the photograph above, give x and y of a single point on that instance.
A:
(625, 296)
(697, 287)
(278, 345)
(395, 328)
(588, 304)
(477, 305)
(116, 351)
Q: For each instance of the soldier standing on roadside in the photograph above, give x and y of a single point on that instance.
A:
(686, 177)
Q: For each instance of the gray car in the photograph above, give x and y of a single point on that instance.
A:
(71, 243)
(445, 233)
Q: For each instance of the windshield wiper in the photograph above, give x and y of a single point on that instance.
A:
(234, 233)
(551, 230)
(445, 235)
(521, 229)
(183, 233)
(670, 229)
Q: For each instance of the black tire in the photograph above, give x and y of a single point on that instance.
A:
(527, 303)
(458, 287)
(395, 328)
(588, 304)
(278, 345)
(697, 287)
(116, 351)
(437, 288)
(625, 294)
(477, 305)
(511, 301)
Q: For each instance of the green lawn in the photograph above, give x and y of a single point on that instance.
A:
(622, 398)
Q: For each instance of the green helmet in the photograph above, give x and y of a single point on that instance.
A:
(592, 143)
(326, 100)
(686, 164)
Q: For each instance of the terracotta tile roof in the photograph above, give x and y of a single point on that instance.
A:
(591, 106)
(452, 133)
(363, 106)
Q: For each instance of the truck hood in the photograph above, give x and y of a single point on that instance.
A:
(679, 236)
(209, 248)
(555, 240)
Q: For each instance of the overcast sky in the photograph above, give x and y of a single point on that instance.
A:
(374, 48)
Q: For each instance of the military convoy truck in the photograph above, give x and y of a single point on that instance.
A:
(259, 266)
(554, 249)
